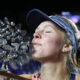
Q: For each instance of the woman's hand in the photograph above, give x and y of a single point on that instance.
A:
(3, 77)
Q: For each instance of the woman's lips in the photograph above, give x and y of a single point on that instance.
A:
(35, 47)
(36, 44)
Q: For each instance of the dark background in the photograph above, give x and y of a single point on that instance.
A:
(17, 10)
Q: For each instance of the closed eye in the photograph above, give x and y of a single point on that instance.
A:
(47, 31)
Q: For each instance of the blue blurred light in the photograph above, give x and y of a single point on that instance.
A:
(75, 18)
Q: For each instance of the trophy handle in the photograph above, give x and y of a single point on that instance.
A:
(11, 75)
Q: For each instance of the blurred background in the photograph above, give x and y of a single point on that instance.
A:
(16, 12)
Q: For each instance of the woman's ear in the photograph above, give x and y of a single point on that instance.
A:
(66, 48)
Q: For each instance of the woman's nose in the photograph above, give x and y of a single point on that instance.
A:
(37, 35)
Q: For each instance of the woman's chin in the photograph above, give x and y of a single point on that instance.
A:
(35, 54)
(36, 57)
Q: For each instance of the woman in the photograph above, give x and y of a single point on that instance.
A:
(55, 44)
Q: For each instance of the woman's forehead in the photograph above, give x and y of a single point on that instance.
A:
(45, 24)
(48, 24)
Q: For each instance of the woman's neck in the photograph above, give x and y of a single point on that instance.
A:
(54, 71)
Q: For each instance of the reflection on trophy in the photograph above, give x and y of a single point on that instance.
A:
(15, 48)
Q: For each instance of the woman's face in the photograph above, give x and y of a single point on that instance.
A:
(47, 42)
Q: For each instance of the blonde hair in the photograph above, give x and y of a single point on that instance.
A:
(75, 59)
(72, 61)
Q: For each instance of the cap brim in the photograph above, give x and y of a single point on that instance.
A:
(34, 18)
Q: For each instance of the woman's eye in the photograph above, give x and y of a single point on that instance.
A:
(48, 31)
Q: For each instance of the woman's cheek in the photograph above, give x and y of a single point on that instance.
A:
(52, 43)
(50, 46)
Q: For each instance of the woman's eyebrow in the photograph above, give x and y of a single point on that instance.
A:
(45, 26)
(51, 26)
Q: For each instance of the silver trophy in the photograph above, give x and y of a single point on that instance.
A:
(14, 45)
